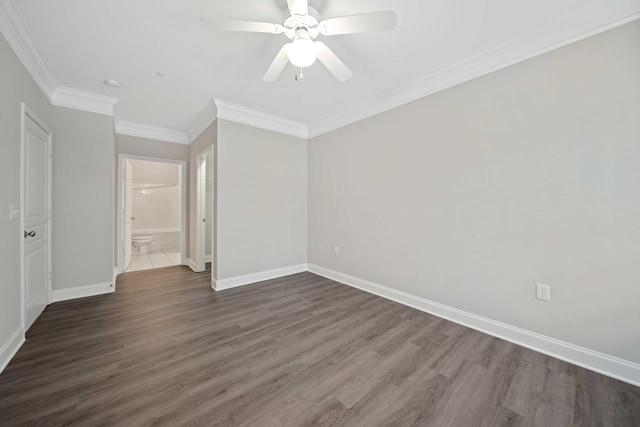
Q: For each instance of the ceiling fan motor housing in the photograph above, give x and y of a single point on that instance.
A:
(293, 23)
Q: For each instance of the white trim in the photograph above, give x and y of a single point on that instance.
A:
(247, 279)
(83, 291)
(158, 133)
(575, 27)
(207, 116)
(114, 277)
(120, 204)
(10, 348)
(16, 33)
(83, 100)
(614, 367)
(192, 265)
(248, 116)
(208, 258)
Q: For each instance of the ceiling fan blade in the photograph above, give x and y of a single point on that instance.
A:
(298, 7)
(251, 26)
(362, 23)
(332, 62)
(278, 64)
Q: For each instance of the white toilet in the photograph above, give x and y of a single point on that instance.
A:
(140, 244)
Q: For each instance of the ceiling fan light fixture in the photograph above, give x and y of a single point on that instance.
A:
(302, 52)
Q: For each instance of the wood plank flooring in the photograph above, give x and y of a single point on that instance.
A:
(296, 351)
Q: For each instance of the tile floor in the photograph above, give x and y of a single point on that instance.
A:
(163, 258)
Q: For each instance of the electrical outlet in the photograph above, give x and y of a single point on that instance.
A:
(543, 292)
(336, 250)
(320, 247)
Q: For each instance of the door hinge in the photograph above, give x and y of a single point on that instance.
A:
(50, 275)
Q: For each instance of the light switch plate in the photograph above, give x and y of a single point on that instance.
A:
(14, 211)
(543, 292)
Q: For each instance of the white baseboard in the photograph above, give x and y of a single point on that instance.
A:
(82, 291)
(234, 282)
(114, 276)
(611, 366)
(208, 258)
(192, 265)
(10, 348)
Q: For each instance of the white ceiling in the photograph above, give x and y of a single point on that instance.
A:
(437, 43)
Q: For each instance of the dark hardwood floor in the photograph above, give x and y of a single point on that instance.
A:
(301, 350)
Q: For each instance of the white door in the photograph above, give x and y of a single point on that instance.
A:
(36, 214)
(128, 213)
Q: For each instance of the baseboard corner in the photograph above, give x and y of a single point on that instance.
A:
(247, 279)
(10, 348)
(83, 291)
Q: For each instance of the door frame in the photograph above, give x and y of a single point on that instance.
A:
(25, 112)
(201, 187)
(121, 205)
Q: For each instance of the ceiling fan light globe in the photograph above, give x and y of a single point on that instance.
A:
(302, 52)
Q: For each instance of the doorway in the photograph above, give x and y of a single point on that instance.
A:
(205, 205)
(35, 216)
(152, 213)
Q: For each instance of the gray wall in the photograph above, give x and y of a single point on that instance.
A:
(83, 162)
(261, 200)
(16, 86)
(136, 146)
(471, 196)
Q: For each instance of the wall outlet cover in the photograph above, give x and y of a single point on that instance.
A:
(543, 292)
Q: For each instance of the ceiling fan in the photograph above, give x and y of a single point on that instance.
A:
(302, 25)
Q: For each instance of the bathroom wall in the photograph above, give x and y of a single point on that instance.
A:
(156, 196)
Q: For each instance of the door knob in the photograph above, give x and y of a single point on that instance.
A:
(29, 234)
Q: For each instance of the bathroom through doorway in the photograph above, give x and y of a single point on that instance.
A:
(152, 213)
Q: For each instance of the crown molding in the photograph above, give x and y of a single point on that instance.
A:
(560, 33)
(158, 133)
(247, 116)
(15, 31)
(204, 120)
(85, 101)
